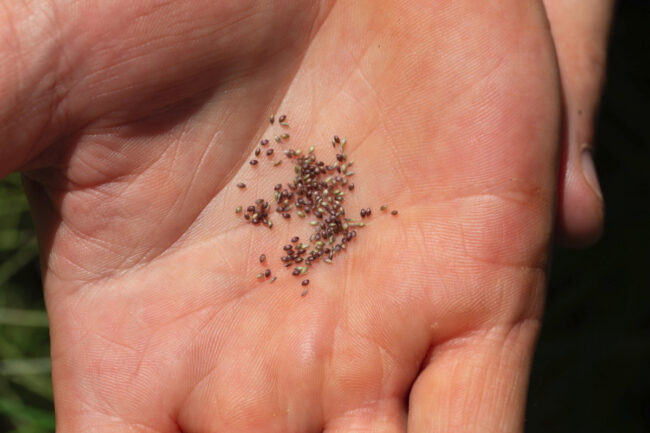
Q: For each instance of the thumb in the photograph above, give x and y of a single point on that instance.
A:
(580, 29)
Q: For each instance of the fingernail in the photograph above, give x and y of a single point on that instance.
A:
(589, 170)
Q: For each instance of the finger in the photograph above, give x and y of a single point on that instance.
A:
(580, 31)
(475, 384)
(382, 416)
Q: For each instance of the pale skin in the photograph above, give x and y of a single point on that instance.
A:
(134, 121)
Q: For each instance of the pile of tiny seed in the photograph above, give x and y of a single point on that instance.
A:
(318, 190)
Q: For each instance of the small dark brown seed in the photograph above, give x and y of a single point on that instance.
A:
(262, 258)
(250, 209)
(288, 247)
(252, 162)
(351, 187)
(305, 282)
(282, 118)
(286, 215)
(257, 151)
(241, 185)
(337, 139)
(264, 142)
(368, 212)
(363, 213)
(267, 273)
(394, 212)
(295, 239)
(296, 272)
(269, 152)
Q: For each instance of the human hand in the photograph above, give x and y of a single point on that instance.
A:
(133, 146)
(580, 30)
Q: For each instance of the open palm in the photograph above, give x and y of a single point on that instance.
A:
(451, 111)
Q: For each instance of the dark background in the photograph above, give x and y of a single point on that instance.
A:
(592, 366)
(591, 369)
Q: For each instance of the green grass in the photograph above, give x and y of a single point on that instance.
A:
(26, 404)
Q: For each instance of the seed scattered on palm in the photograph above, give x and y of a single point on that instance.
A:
(317, 189)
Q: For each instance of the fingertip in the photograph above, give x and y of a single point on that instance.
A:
(581, 204)
(580, 31)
